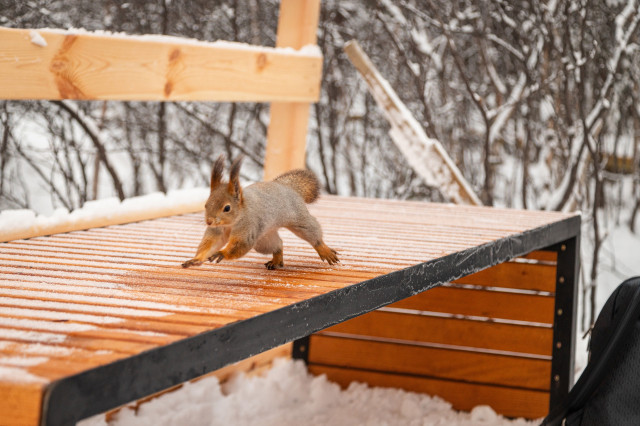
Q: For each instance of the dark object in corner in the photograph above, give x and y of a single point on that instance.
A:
(608, 391)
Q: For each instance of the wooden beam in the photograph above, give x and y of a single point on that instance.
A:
(20, 403)
(49, 64)
(287, 134)
(409, 326)
(436, 362)
(425, 155)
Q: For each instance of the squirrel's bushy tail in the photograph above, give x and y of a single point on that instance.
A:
(304, 182)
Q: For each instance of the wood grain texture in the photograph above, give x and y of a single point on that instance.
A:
(488, 335)
(91, 66)
(522, 276)
(483, 303)
(20, 403)
(463, 396)
(475, 367)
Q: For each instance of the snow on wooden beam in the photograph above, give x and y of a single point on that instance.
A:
(425, 155)
(52, 64)
(22, 224)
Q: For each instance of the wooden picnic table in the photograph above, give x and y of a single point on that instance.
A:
(93, 319)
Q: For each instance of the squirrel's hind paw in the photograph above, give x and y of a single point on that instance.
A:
(271, 265)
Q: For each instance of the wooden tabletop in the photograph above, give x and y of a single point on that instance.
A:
(93, 319)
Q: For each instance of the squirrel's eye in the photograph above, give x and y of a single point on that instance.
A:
(226, 208)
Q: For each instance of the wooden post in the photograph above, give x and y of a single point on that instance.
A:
(287, 133)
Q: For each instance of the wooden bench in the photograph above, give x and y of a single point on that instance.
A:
(97, 319)
(92, 319)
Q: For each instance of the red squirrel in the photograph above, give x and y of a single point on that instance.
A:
(241, 219)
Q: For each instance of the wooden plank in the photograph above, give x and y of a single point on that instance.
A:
(410, 137)
(510, 402)
(438, 363)
(139, 324)
(88, 331)
(521, 276)
(450, 331)
(482, 303)
(117, 67)
(547, 256)
(287, 132)
(20, 403)
(69, 341)
(57, 368)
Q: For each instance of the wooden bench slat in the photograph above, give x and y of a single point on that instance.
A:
(115, 311)
(135, 294)
(53, 368)
(449, 331)
(483, 303)
(139, 324)
(475, 367)
(52, 351)
(221, 309)
(90, 331)
(67, 340)
(547, 256)
(515, 275)
(511, 402)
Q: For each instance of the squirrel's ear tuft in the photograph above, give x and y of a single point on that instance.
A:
(234, 179)
(216, 172)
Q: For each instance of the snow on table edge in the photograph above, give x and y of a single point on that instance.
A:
(23, 223)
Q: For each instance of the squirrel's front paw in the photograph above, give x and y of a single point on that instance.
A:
(216, 257)
(192, 262)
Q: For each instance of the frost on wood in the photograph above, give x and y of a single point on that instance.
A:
(425, 155)
(18, 224)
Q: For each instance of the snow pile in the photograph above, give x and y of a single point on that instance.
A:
(15, 224)
(289, 395)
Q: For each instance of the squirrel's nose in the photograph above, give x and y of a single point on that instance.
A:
(209, 221)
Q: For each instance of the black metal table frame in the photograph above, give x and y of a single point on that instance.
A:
(73, 398)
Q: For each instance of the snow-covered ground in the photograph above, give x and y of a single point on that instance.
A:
(287, 395)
